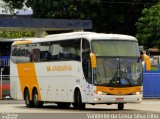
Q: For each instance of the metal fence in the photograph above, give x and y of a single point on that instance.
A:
(151, 83)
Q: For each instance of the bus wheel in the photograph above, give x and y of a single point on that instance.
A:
(120, 106)
(78, 101)
(63, 105)
(36, 102)
(27, 99)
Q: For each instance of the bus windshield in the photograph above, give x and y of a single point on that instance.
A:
(117, 63)
(115, 48)
(118, 72)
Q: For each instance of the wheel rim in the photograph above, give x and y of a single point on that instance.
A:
(35, 98)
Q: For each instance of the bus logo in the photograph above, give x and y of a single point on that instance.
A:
(59, 68)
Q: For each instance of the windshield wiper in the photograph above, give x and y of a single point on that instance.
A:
(121, 79)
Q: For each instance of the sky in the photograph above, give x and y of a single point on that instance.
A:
(24, 11)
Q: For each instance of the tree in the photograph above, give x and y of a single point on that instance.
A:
(14, 4)
(70, 9)
(148, 27)
(16, 34)
(110, 16)
(119, 16)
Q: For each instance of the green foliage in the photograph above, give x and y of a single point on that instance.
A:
(12, 4)
(119, 16)
(15, 34)
(71, 9)
(148, 27)
(110, 16)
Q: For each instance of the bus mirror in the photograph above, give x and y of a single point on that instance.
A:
(93, 60)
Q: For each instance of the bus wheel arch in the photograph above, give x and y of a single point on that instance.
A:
(78, 99)
(35, 98)
(27, 98)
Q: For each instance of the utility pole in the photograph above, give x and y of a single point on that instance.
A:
(1, 96)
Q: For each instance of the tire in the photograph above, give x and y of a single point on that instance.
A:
(36, 102)
(120, 106)
(27, 99)
(63, 105)
(78, 101)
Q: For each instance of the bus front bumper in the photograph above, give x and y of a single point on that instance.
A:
(104, 99)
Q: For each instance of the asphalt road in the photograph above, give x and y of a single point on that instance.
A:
(148, 109)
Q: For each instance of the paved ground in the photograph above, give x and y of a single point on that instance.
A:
(149, 107)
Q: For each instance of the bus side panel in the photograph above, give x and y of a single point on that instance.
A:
(58, 80)
(15, 87)
(54, 81)
(28, 78)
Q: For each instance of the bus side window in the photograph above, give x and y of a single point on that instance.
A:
(45, 56)
(70, 50)
(35, 55)
(55, 49)
(14, 53)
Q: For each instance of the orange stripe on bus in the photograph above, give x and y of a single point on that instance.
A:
(23, 42)
(118, 91)
(28, 78)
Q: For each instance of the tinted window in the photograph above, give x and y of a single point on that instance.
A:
(115, 48)
(47, 51)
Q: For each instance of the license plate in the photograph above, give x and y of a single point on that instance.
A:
(119, 99)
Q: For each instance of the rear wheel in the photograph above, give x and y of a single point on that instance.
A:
(120, 106)
(27, 99)
(78, 101)
(36, 102)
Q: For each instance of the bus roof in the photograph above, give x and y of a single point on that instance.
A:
(76, 35)
(26, 41)
(89, 35)
(13, 39)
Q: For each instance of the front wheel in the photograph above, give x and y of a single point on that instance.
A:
(120, 106)
(78, 101)
(36, 102)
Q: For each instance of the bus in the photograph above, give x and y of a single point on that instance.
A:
(77, 68)
(5, 48)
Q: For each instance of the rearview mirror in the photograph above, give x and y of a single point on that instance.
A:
(93, 60)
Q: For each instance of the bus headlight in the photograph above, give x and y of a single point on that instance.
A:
(136, 93)
(101, 93)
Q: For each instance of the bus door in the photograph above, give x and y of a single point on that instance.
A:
(86, 64)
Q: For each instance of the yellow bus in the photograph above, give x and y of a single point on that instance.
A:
(77, 68)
